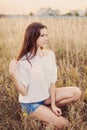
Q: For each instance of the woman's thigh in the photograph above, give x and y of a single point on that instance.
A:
(45, 114)
(65, 93)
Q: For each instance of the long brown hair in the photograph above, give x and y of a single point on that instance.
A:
(29, 44)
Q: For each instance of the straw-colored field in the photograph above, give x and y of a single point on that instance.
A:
(68, 39)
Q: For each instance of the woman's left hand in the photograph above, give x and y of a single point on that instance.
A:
(56, 110)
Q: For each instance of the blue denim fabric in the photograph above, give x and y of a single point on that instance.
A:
(31, 107)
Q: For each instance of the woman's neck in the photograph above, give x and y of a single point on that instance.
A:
(40, 52)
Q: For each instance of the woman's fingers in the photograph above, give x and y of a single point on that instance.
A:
(59, 111)
(56, 110)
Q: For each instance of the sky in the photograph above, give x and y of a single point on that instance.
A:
(27, 6)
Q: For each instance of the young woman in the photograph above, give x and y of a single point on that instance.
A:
(34, 74)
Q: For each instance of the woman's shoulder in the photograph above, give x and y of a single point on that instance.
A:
(23, 62)
(49, 51)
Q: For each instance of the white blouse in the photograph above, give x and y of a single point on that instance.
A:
(38, 77)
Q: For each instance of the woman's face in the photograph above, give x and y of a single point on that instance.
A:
(42, 39)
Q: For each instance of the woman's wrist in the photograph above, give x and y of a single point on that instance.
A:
(53, 104)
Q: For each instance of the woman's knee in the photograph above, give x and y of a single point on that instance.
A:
(62, 124)
(77, 93)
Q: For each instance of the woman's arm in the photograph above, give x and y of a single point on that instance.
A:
(52, 93)
(55, 109)
(13, 73)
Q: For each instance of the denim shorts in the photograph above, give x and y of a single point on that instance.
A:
(31, 107)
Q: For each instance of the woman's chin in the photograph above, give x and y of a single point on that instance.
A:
(43, 47)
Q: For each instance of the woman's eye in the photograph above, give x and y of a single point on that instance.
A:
(43, 35)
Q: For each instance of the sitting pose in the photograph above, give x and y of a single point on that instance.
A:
(34, 74)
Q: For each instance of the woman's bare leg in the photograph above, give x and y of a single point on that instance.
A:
(45, 114)
(65, 95)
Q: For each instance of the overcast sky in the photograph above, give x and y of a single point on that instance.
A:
(26, 6)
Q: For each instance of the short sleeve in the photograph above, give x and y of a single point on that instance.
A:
(54, 69)
(23, 73)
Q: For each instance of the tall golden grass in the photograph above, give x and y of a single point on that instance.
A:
(68, 39)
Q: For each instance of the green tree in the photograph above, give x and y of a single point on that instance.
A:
(69, 14)
(31, 14)
(77, 14)
(86, 14)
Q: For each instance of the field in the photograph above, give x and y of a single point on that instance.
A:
(68, 39)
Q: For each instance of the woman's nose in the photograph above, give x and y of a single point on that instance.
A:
(46, 38)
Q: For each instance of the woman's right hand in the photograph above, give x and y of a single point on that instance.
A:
(13, 67)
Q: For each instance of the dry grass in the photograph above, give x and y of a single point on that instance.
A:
(68, 39)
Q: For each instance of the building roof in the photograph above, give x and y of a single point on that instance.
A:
(47, 12)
